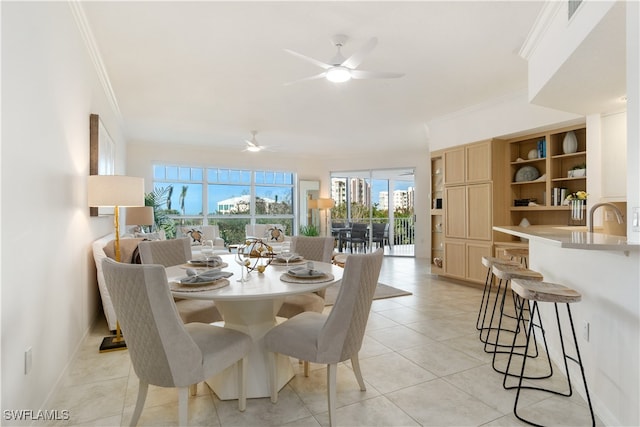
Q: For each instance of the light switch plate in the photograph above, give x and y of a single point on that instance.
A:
(635, 221)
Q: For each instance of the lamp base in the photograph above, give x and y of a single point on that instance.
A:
(113, 343)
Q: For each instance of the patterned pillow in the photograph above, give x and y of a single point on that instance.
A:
(274, 233)
(195, 233)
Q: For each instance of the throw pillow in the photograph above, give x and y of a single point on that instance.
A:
(127, 248)
(274, 233)
(196, 235)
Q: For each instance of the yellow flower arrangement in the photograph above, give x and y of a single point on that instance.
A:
(578, 195)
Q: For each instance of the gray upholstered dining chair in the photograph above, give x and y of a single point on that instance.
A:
(334, 337)
(164, 351)
(175, 252)
(312, 249)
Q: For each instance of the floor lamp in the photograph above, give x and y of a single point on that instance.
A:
(115, 191)
(326, 205)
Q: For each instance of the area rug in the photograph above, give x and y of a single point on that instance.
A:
(382, 291)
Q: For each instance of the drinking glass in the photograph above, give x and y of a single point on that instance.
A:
(285, 252)
(207, 250)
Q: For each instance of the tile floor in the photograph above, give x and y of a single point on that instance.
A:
(421, 360)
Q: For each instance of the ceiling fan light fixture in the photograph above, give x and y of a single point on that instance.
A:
(253, 149)
(338, 74)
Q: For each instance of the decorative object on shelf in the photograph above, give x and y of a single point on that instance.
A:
(524, 223)
(523, 202)
(578, 171)
(570, 143)
(527, 173)
(577, 202)
(438, 262)
(533, 154)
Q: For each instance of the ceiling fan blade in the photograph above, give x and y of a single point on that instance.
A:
(360, 74)
(354, 60)
(317, 76)
(309, 59)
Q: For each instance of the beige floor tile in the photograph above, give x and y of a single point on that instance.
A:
(421, 358)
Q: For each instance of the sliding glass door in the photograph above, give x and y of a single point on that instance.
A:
(383, 199)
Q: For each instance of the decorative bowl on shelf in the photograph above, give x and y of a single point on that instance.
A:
(527, 173)
(438, 262)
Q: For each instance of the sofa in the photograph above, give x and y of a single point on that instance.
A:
(190, 310)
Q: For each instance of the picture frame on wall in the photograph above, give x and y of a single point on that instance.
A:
(102, 156)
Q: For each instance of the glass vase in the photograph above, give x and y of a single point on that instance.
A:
(577, 212)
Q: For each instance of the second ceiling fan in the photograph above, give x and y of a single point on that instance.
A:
(341, 69)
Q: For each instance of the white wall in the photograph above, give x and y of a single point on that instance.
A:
(49, 299)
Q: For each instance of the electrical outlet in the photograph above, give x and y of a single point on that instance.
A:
(585, 331)
(608, 215)
(28, 360)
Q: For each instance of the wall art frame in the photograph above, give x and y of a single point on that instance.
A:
(102, 156)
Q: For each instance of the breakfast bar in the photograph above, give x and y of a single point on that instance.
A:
(605, 269)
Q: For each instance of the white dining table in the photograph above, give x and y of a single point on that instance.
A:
(251, 307)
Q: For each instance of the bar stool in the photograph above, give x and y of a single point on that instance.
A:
(488, 284)
(505, 274)
(520, 254)
(537, 291)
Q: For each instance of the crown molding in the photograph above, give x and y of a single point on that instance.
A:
(92, 47)
(540, 27)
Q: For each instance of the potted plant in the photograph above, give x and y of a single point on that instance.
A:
(309, 230)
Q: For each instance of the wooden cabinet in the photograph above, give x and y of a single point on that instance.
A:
(541, 200)
(468, 163)
(474, 200)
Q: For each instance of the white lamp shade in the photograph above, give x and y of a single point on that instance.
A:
(325, 203)
(139, 215)
(115, 190)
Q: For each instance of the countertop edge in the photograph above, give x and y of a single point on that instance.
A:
(571, 239)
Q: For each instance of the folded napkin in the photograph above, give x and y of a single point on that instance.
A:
(206, 277)
(295, 257)
(304, 272)
(213, 261)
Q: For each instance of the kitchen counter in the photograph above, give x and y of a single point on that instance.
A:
(605, 269)
(570, 237)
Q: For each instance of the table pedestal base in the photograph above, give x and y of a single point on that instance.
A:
(254, 318)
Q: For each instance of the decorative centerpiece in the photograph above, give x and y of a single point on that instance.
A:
(255, 254)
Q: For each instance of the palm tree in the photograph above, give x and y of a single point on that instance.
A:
(169, 193)
(183, 196)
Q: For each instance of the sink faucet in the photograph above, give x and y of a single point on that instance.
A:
(609, 205)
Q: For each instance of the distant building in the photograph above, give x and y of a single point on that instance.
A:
(240, 205)
(402, 199)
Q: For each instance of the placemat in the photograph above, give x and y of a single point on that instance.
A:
(178, 287)
(328, 277)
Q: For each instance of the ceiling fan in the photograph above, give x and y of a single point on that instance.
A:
(341, 69)
(252, 144)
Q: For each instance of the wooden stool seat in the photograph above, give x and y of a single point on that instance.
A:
(516, 252)
(506, 272)
(544, 291)
(521, 254)
(488, 261)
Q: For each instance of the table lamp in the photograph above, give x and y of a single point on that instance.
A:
(141, 216)
(115, 191)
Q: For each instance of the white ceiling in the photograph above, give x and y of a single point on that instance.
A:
(208, 73)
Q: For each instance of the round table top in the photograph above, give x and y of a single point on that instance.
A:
(265, 285)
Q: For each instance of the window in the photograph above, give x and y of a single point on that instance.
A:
(230, 198)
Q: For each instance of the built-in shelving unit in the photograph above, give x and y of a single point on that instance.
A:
(437, 212)
(554, 166)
